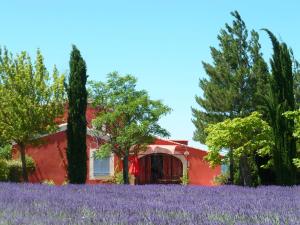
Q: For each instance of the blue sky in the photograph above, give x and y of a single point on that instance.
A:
(162, 43)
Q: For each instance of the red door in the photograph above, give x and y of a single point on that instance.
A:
(171, 169)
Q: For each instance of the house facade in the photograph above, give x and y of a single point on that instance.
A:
(163, 162)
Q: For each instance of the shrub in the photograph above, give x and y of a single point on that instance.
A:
(30, 164)
(185, 177)
(5, 152)
(15, 168)
(66, 182)
(48, 182)
(221, 179)
(118, 177)
(4, 170)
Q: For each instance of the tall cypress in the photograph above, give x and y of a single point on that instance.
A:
(76, 130)
(282, 99)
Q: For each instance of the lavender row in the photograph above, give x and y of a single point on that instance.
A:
(149, 204)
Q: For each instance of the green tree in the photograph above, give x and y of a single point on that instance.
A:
(30, 100)
(76, 130)
(128, 117)
(295, 115)
(246, 137)
(296, 74)
(236, 79)
(281, 100)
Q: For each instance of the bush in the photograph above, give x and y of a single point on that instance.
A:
(118, 177)
(4, 170)
(6, 152)
(185, 177)
(30, 164)
(222, 179)
(66, 182)
(15, 169)
(48, 182)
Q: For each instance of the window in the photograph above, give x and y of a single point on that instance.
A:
(101, 167)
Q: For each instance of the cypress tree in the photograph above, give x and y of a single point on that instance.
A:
(282, 99)
(76, 130)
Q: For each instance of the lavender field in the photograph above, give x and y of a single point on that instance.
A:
(153, 204)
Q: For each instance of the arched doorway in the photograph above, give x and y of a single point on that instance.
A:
(159, 168)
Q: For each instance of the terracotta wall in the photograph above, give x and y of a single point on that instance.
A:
(50, 159)
(51, 162)
(199, 171)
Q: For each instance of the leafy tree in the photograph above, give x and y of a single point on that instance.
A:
(296, 74)
(281, 100)
(295, 115)
(30, 100)
(236, 79)
(128, 117)
(6, 152)
(76, 130)
(246, 137)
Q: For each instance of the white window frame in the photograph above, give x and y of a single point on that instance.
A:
(91, 172)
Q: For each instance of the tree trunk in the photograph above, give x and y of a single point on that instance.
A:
(24, 170)
(245, 171)
(125, 169)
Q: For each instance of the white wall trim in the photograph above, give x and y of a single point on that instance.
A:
(63, 127)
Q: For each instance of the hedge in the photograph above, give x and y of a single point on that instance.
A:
(11, 170)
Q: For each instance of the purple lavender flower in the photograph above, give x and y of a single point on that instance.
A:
(148, 204)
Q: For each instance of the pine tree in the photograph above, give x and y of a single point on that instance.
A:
(236, 78)
(76, 130)
(282, 99)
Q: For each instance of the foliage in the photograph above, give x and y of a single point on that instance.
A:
(148, 204)
(76, 130)
(295, 115)
(15, 168)
(118, 177)
(6, 152)
(277, 103)
(296, 81)
(237, 78)
(221, 179)
(185, 177)
(104, 153)
(66, 182)
(30, 163)
(48, 182)
(246, 137)
(30, 100)
(128, 117)
(296, 162)
(4, 170)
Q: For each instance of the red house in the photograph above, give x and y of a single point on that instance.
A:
(163, 162)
